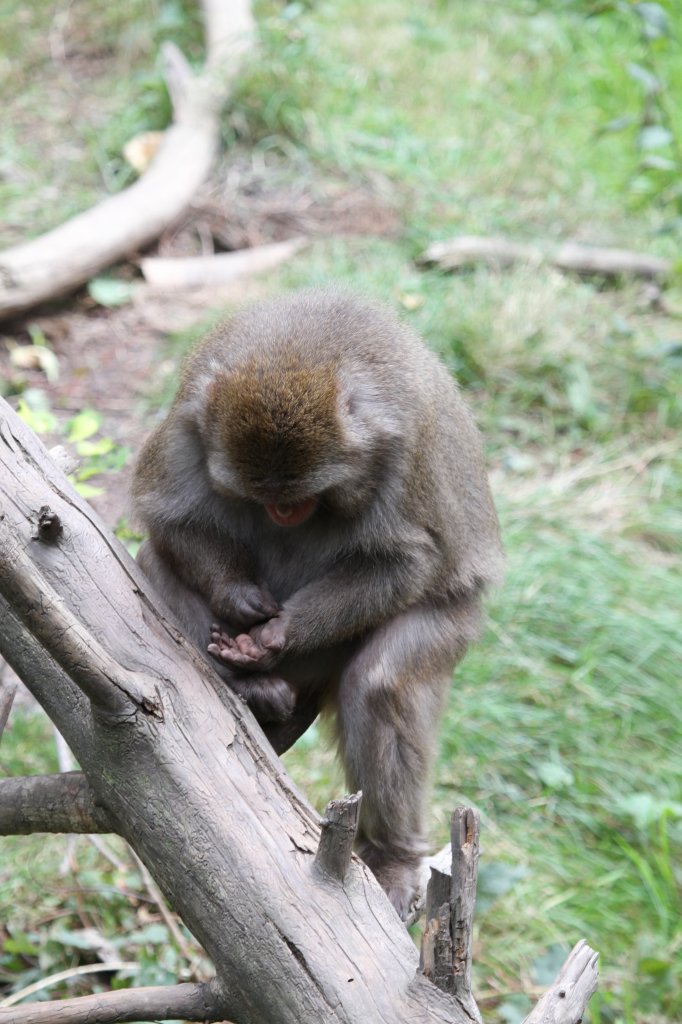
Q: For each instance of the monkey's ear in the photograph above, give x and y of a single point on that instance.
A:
(365, 417)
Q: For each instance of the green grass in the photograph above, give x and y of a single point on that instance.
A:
(564, 724)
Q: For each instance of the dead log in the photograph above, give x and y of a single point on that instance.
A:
(587, 261)
(181, 770)
(65, 258)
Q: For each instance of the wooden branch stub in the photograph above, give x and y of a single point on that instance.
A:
(49, 526)
(50, 803)
(339, 826)
(566, 1000)
(436, 952)
(6, 700)
(192, 1002)
(466, 826)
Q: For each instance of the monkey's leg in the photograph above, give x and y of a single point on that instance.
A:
(389, 702)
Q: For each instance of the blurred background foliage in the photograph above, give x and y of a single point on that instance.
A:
(544, 121)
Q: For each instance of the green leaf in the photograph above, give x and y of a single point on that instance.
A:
(38, 417)
(87, 490)
(83, 425)
(652, 965)
(88, 449)
(20, 945)
(109, 291)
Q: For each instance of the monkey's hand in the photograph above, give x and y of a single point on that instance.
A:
(260, 649)
(243, 604)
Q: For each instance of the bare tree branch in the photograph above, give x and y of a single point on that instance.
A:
(50, 803)
(565, 1002)
(164, 1002)
(468, 250)
(68, 256)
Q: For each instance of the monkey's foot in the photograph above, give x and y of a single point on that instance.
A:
(271, 699)
(398, 878)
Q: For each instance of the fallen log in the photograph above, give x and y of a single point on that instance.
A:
(65, 258)
(470, 250)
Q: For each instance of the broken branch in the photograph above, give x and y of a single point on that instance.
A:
(49, 803)
(468, 250)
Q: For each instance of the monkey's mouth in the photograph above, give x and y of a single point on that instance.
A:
(291, 515)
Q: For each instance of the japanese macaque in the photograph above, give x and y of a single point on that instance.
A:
(319, 520)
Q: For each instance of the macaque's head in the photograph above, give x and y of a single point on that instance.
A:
(281, 435)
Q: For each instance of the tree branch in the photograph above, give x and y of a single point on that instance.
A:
(189, 1002)
(68, 256)
(50, 803)
(566, 1000)
(468, 250)
(339, 826)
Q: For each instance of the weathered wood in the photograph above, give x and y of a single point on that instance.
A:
(49, 803)
(68, 256)
(338, 829)
(469, 250)
(163, 1002)
(436, 949)
(465, 834)
(211, 271)
(187, 778)
(566, 1000)
(6, 700)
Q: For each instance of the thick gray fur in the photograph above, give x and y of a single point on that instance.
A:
(375, 597)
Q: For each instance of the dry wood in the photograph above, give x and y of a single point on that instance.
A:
(465, 850)
(565, 1002)
(49, 803)
(165, 1002)
(185, 776)
(7, 696)
(468, 250)
(67, 257)
(339, 826)
(212, 271)
(436, 951)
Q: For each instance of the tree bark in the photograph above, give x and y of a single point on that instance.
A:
(183, 772)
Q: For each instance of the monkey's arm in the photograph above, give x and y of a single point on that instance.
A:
(356, 595)
(218, 568)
